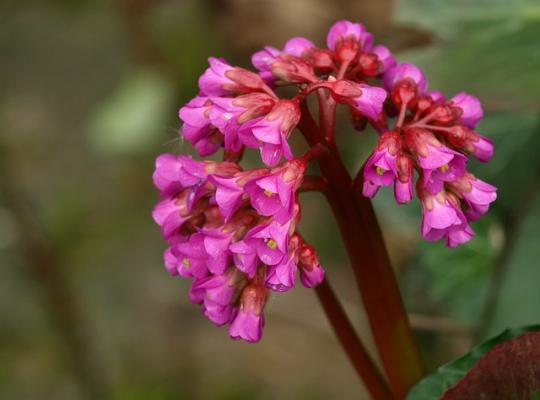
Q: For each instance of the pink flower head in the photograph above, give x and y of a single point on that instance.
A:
(347, 38)
(222, 79)
(477, 194)
(228, 114)
(270, 133)
(403, 187)
(311, 271)
(273, 194)
(248, 323)
(471, 109)
(442, 218)
(381, 167)
(368, 100)
(385, 58)
(402, 72)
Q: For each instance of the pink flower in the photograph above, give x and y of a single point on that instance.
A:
(179, 257)
(174, 173)
(171, 213)
(297, 46)
(403, 187)
(245, 255)
(311, 271)
(442, 218)
(405, 72)
(228, 114)
(273, 194)
(471, 109)
(197, 127)
(434, 179)
(248, 323)
(385, 57)
(282, 277)
(430, 152)
(481, 147)
(219, 292)
(364, 98)
(381, 167)
(228, 194)
(347, 38)
(477, 194)
(270, 133)
(222, 79)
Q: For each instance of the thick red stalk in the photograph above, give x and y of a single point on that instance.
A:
(371, 265)
(354, 348)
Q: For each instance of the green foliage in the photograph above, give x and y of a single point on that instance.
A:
(436, 384)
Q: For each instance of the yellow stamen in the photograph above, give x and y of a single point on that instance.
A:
(185, 263)
(444, 168)
(380, 170)
(271, 244)
(268, 193)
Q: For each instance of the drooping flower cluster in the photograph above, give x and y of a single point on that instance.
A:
(233, 231)
(434, 137)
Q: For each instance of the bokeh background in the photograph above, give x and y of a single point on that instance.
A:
(89, 92)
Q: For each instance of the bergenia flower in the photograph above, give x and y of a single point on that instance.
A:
(233, 230)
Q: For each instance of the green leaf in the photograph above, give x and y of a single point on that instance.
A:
(435, 385)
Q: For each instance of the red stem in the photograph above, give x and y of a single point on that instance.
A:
(371, 265)
(362, 362)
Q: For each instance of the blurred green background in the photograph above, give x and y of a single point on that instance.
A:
(89, 92)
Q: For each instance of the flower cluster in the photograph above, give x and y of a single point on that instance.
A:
(434, 137)
(233, 231)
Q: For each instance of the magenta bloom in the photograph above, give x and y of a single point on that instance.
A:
(249, 321)
(311, 271)
(368, 100)
(282, 277)
(403, 187)
(173, 173)
(197, 127)
(270, 133)
(442, 218)
(232, 229)
(344, 33)
(222, 79)
(228, 114)
(477, 194)
(471, 109)
(270, 242)
(405, 71)
(182, 257)
(297, 46)
(381, 167)
(273, 194)
(218, 296)
(385, 57)
(482, 147)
